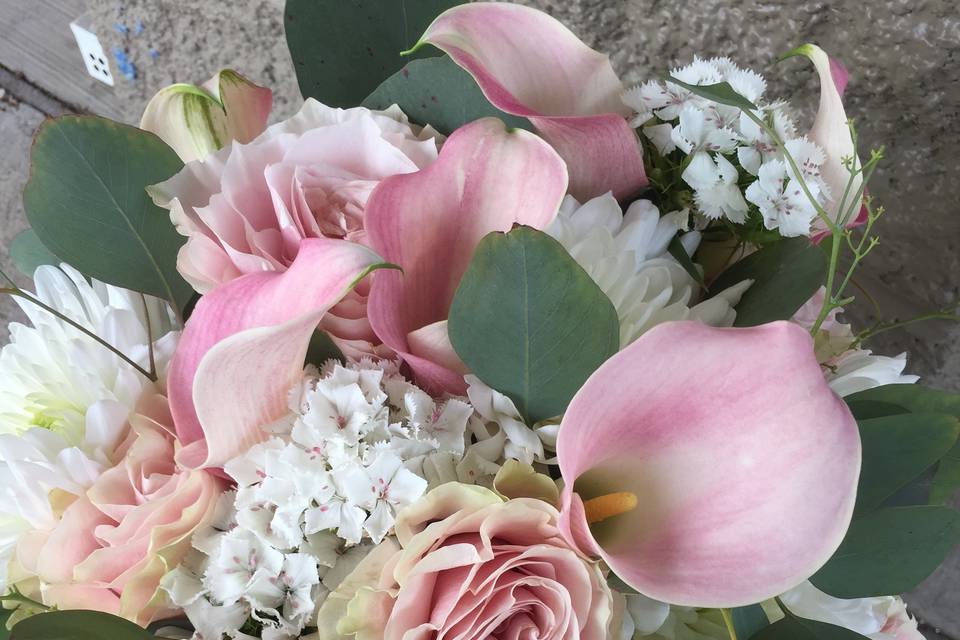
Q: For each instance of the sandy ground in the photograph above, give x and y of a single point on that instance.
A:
(904, 92)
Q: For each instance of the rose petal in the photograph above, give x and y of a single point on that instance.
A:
(529, 64)
(744, 462)
(243, 348)
(429, 223)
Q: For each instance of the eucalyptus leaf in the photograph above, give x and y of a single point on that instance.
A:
(437, 92)
(889, 550)
(898, 449)
(343, 49)
(749, 620)
(721, 92)
(77, 625)
(786, 274)
(917, 398)
(27, 253)
(530, 322)
(87, 203)
(793, 628)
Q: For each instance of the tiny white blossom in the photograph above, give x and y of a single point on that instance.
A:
(714, 181)
(697, 133)
(383, 488)
(781, 200)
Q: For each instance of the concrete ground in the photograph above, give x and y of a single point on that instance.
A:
(904, 93)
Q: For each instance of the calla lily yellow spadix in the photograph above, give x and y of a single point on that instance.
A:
(739, 464)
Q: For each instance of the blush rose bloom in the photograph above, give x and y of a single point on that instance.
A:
(134, 524)
(466, 563)
(247, 207)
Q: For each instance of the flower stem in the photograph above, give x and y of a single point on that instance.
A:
(728, 620)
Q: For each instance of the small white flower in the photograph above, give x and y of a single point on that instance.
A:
(522, 442)
(714, 181)
(382, 488)
(696, 132)
(879, 618)
(781, 200)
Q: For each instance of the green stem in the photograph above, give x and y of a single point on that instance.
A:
(884, 327)
(146, 315)
(16, 291)
(728, 620)
(16, 596)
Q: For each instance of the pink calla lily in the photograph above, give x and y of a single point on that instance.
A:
(740, 462)
(243, 348)
(528, 64)
(429, 223)
(831, 133)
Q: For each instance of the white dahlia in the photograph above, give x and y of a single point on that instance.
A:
(626, 255)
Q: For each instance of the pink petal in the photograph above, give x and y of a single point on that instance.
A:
(831, 132)
(429, 223)
(529, 64)
(744, 462)
(246, 104)
(244, 345)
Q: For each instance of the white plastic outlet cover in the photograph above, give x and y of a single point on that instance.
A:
(94, 57)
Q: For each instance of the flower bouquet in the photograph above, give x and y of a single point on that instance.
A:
(478, 344)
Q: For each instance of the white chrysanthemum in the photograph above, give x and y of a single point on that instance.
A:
(65, 398)
(847, 367)
(51, 374)
(626, 255)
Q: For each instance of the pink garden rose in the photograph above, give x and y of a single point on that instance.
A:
(134, 524)
(247, 207)
(468, 564)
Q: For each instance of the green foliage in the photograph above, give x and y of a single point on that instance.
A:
(904, 398)
(889, 550)
(786, 274)
(87, 203)
(675, 248)
(748, 621)
(77, 625)
(437, 92)
(343, 49)
(27, 253)
(530, 322)
(323, 348)
(898, 449)
(721, 92)
(793, 628)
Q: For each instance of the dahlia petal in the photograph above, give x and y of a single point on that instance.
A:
(529, 64)
(429, 223)
(244, 345)
(770, 459)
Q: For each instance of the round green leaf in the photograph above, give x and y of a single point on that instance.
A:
(792, 628)
(786, 274)
(343, 49)
(28, 253)
(437, 92)
(530, 322)
(898, 449)
(77, 625)
(87, 202)
(888, 551)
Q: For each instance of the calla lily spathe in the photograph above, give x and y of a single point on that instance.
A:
(197, 120)
(743, 463)
(831, 132)
(429, 224)
(528, 64)
(243, 348)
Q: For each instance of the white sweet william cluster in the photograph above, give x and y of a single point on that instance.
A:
(729, 160)
(359, 444)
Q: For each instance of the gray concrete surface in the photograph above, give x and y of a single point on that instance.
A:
(904, 92)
